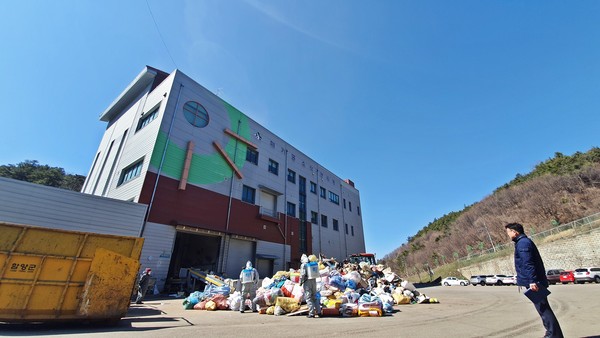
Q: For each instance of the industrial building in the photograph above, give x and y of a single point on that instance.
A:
(220, 188)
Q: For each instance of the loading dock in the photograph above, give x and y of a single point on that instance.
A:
(194, 248)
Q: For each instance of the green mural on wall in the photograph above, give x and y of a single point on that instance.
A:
(204, 169)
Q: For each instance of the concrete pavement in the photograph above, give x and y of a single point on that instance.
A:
(469, 311)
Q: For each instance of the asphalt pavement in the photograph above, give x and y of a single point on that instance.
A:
(463, 311)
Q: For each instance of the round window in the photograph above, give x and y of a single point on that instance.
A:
(195, 114)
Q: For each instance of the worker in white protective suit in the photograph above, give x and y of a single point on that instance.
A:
(309, 272)
(249, 279)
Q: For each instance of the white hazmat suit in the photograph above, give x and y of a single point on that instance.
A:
(248, 279)
(309, 271)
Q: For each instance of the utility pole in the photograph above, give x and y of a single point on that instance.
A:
(489, 236)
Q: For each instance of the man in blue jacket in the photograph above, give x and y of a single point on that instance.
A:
(532, 275)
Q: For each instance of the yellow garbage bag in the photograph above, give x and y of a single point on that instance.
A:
(287, 303)
(211, 306)
(400, 298)
(280, 274)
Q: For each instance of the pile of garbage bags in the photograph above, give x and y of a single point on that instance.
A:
(213, 298)
(346, 290)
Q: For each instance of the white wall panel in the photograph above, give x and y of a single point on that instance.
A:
(271, 249)
(138, 145)
(240, 252)
(159, 240)
(179, 88)
(34, 204)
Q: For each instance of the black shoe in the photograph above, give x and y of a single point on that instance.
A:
(139, 303)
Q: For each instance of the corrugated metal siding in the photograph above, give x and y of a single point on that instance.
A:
(274, 249)
(206, 159)
(34, 204)
(38, 205)
(137, 146)
(158, 247)
(116, 131)
(330, 241)
(240, 252)
(144, 143)
(270, 146)
(141, 143)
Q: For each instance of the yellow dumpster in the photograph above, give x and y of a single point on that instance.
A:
(51, 274)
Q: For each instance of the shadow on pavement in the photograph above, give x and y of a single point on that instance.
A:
(63, 328)
(138, 319)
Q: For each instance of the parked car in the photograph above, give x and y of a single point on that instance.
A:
(583, 275)
(454, 281)
(509, 280)
(494, 279)
(477, 280)
(567, 277)
(553, 275)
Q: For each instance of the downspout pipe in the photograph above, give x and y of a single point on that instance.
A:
(162, 161)
(232, 178)
(344, 222)
(319, 218)
(222, 256)
(285, 210)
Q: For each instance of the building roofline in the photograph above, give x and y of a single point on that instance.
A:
(137, 86)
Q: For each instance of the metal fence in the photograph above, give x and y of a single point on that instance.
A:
(579, 226)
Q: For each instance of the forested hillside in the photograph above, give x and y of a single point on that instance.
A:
(556, 191)
(32, 171)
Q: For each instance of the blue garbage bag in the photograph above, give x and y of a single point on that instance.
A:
(337, 282)
(223, 290)
(194, 298)
(350, 284)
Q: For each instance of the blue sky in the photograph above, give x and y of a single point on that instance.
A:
(428, 106)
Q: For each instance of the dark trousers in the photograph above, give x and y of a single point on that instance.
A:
(549, 319)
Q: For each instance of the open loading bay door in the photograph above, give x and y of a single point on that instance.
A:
(194, 250)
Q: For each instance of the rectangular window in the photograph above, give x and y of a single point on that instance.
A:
(291, 209)
(346, 225)
(302, 185)
(349, 205)
(344, 203)
(334, 198)
(147, 118)
(313, 187)
(102, 168)
(358, 210)
(303, 241)
(352, 229)
(112, 167)
(314, 217)
(291, 176)
(302, 208)
(336, 226)
(273, 167)
(252, 156)
(248, 194)
(268, 203)
(323, 192)
(324, 221)
(131, 172)
(87, 181)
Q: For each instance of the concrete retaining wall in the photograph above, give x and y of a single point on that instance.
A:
(571, 251)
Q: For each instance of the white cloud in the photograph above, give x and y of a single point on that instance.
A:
(276, 15)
